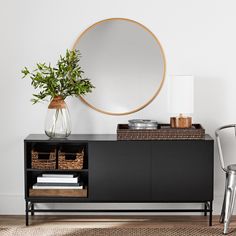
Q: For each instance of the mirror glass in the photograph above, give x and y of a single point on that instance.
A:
(124, 61)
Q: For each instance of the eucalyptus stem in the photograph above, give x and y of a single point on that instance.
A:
(65, 79)
(64, 121)
(55, 118)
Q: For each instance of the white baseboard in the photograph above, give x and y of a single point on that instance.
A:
(14, 204)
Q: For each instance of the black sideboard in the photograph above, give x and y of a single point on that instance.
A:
(150, 171)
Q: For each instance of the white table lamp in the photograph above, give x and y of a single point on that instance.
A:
(181, 99)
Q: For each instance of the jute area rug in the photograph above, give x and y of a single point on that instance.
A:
(163, 231)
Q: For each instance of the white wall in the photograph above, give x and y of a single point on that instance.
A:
(198, 38)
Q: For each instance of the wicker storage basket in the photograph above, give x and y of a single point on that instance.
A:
(43, 160)
(164, 132)
(68, 160)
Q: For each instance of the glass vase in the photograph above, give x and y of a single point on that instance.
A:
(58, 123)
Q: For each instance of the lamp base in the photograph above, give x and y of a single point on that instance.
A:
(180, 122)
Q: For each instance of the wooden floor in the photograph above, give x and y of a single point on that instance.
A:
(111, 221)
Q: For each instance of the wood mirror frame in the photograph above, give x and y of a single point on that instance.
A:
(89, 44)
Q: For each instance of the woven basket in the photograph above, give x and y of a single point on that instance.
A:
(65, 163)
(43, 160)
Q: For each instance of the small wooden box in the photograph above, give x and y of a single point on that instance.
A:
(58, 192)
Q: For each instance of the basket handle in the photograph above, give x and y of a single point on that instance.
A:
(63, 155)
(48, 155)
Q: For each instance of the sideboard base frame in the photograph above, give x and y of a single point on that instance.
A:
(31, 209)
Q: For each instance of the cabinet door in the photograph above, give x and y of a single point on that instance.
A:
(120, 171)
(182, 171)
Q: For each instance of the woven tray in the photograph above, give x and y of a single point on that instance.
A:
(163, 132)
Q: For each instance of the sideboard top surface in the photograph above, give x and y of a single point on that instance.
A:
(95, 137)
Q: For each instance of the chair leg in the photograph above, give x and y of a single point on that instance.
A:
(227, 215)
(222, 215)
(229, 202)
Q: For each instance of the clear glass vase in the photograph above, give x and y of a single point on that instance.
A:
(58, 123)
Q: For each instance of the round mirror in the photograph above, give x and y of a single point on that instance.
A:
(125, 62)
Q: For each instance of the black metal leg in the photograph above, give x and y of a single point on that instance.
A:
(26, 213)
(32, 209)
(205, 208)
(210, 216)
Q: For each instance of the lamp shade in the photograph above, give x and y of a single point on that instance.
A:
(181, 94)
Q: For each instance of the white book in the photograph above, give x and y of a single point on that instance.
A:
(57, 186)
(57, 180)
(58, 175)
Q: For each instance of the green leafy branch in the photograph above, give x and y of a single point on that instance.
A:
(65, 79)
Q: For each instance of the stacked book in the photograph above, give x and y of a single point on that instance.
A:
(58, 181)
